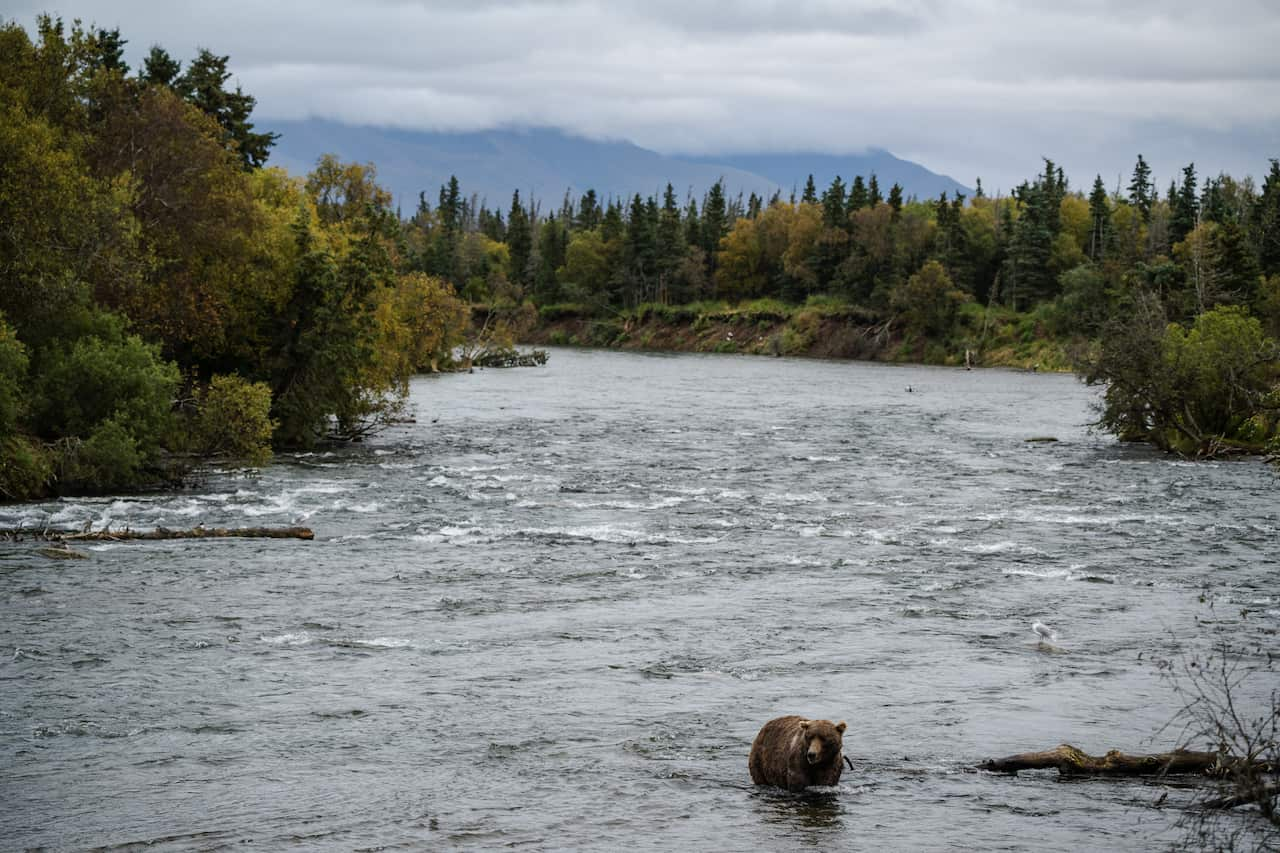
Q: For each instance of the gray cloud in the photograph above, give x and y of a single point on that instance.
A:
(971, 87)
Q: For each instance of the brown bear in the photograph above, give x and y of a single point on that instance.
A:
(794, 753)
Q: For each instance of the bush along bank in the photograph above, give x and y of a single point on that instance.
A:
(996, 337)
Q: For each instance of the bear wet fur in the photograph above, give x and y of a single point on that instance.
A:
(795, 753)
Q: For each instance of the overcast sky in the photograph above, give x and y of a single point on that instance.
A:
(971, 88)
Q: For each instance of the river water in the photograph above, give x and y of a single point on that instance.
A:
(553, 612)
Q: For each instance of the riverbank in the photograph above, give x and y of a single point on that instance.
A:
(990, 337)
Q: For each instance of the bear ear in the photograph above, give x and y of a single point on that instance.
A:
(840, 727)
(804, 724)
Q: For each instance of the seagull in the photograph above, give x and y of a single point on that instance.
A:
(1046, 634)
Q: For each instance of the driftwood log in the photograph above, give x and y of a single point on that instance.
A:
(1070, 761)
(109, 535)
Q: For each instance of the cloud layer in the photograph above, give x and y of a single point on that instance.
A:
(968, 87)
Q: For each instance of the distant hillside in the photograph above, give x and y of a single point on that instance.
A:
(545, 163)
(792, 170)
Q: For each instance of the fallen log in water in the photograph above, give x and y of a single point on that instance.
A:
(109, 535)
(1070, 761)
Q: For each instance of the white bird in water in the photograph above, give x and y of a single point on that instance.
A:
(1046, 634)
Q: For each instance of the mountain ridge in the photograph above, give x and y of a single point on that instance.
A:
(545, 163)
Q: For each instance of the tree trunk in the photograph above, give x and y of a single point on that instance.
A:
(1070, 761)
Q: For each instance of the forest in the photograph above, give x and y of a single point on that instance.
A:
(166, 297)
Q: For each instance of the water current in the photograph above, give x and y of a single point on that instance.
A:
(553, 612)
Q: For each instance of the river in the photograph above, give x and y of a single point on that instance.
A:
(553, 612)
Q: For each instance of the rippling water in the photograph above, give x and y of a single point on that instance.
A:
(554, 612)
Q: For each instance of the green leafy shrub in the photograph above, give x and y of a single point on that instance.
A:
(26, 469)
(234, 419)
(109, 399)
(13, 377)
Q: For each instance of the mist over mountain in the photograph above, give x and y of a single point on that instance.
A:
(545, 163)
(792, 170)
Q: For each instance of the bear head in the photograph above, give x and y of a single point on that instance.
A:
(823, 740)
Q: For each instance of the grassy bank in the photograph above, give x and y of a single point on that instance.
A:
(820, 328)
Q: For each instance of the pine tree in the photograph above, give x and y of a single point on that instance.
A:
(612, 224)
(810, 192)
(159, 68)
(715, 223)
(553, 241)
(873, 192)
(977, 192)
(1028, 277)
(1100, 221)
(895, 197)
(1184, 211)
(108, 51)
(692, 225)
(1141, 192)
(519, 242)
(204, 86)
(1266, 222)
(670, 239)
(858, 195)
(833, 213)
(588, 211)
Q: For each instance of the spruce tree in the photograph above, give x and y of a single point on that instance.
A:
(1099, 220)
(1184, 212)
(108, 51)
(715, 223)
(810, 192)
(1141, 192)
(873, 193)
(670, 236)
(692, 225)
(519, 242)
(1266, 222)
(895, 197)
(833, 213)
(204, 85)
(858, 195)
(159, 68)
(589, 213)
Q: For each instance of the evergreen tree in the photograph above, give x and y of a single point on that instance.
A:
(1266, 222)
(1141, 191)
(692, 225)
(977, 192)
(858, 195)
(108, 52)
(895, 197)
(613, 226)
(810, 192)
(159, 68)
(833, 200)
(553, 242)
(204, 85)
(1184, 213)
(671, 245)
(1100, 221)
(754, 206)
(873, 192)
(641, 251)
(715, 224)
(1028, 278)
(519, 242)
(1054, 186)
(589, 213)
